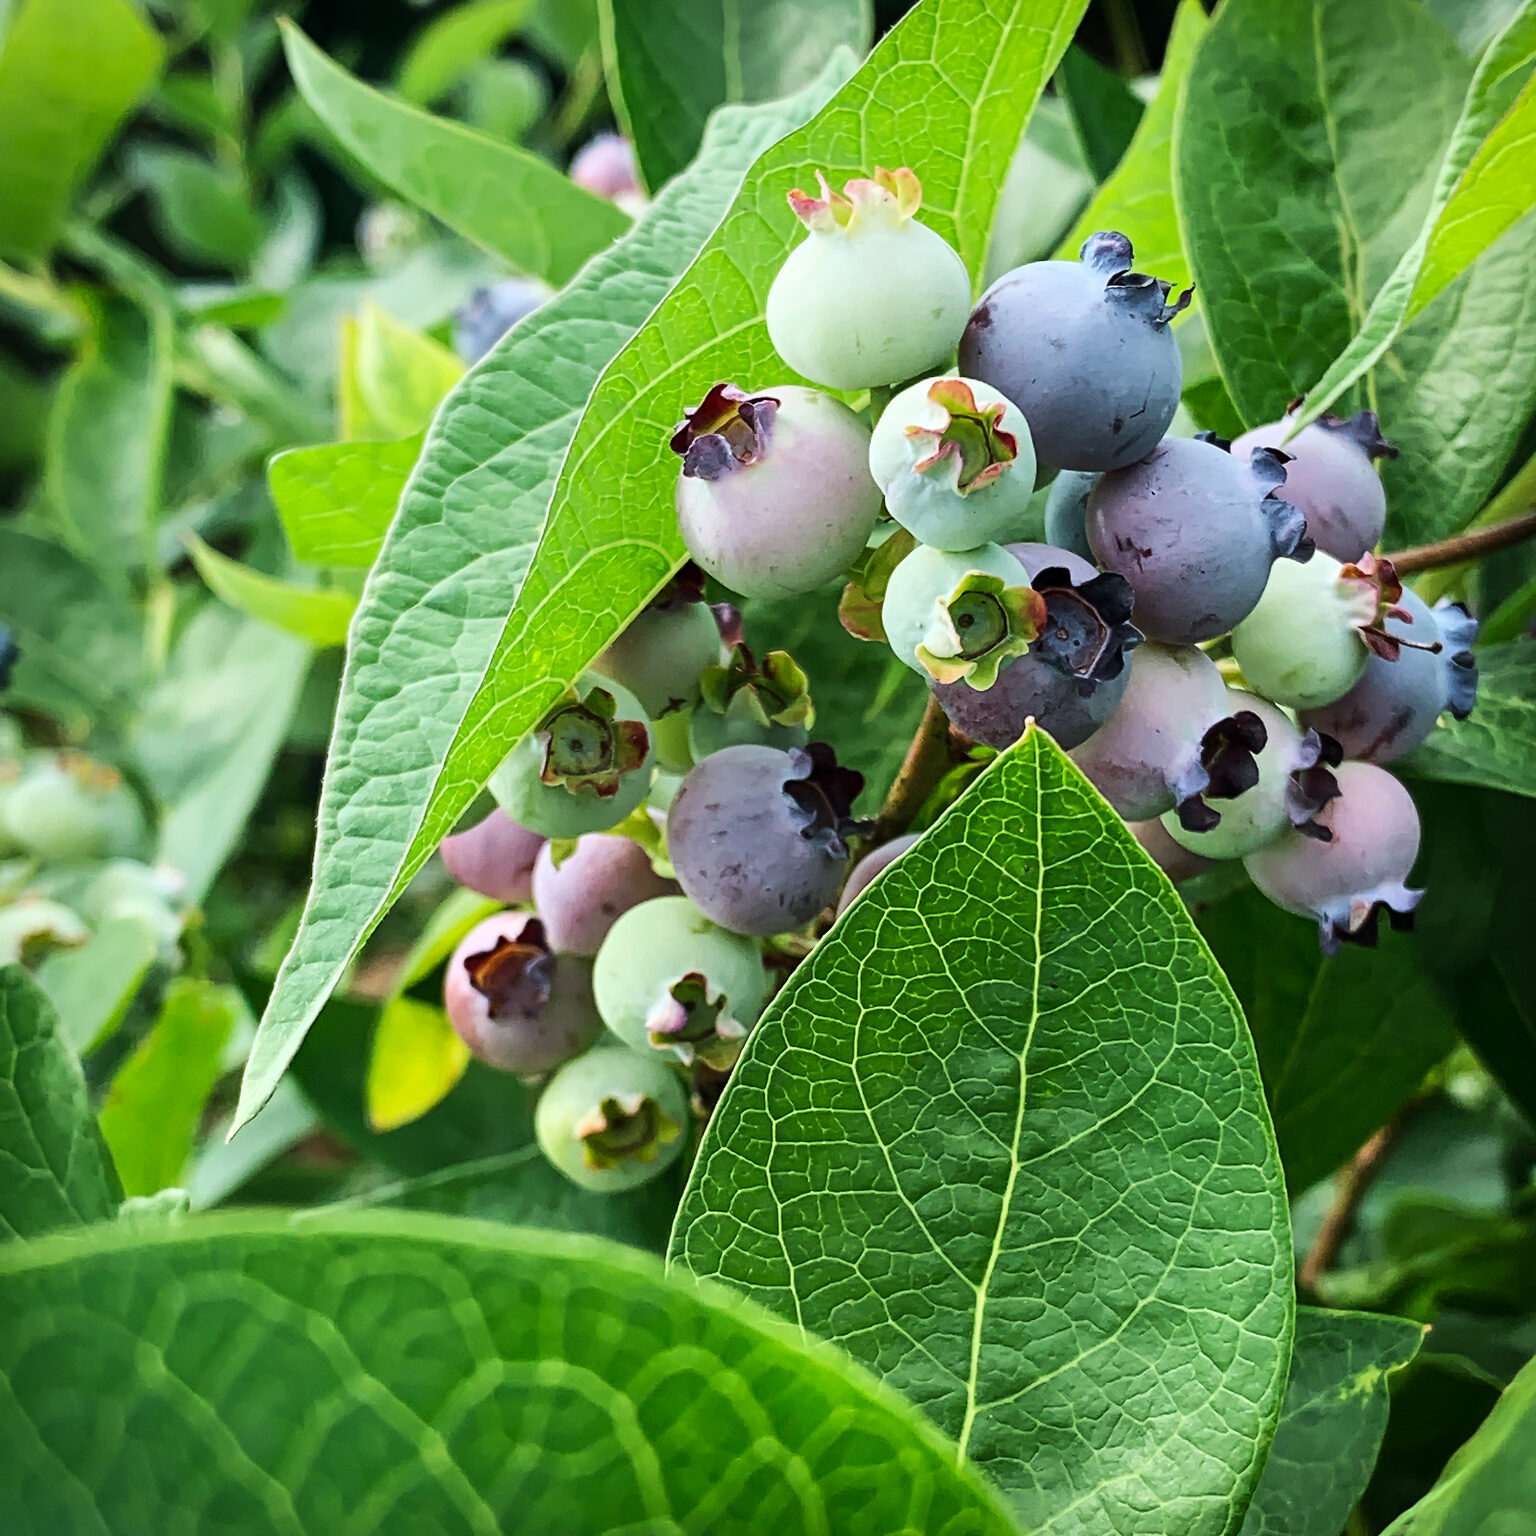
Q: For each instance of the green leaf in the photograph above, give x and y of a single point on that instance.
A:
(1300, 178)
(1105, 111)
(1495, 746)
(1331, 1423)
(203, 211)
(607, 536)
(1484, 187)
(92, 987)
(417, 1058)
(156, 1100)
(54, 1168)
(1488, 1487)
(392, 378)
(506, 200)
(453, 1376)
(336, 501)
(447, 47)
(107, 437)
(1020, 1166)
(319, 615)
(1342, 1042)
(70, 71)
(81, 640)
(1138, 198)
(209, 731)
(672, 62)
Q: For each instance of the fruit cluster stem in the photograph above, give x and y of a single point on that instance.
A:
(927, 759)
(1472, 545)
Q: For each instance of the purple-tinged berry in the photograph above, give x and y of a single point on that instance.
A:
(774, 499)
(606, 165)
(666, 646)
(1331, 476)
(1175, 860)
(494, 857)
(746, 703)
(759, 837)
(1295, 782)
(871, 865)
(492, 311)
(1170, 743)
(582, 896)
(516, 1004)
(1084, 350)
(1307, 641)
(613, 1119)
(668, 979)
(1395, 704)
(870, 296)
(1195, 531)
(960, 616)
(954, 462)
(1066, 511)
(583, 768)
(1362, 866)
(1072, 676)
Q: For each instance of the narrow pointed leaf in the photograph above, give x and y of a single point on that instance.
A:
(319, 615)
(1021, 1166)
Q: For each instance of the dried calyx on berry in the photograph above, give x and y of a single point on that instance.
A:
(1228, 765)
(726, 431)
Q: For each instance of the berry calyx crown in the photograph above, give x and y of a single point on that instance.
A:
(587, 748)
(1110, 254)
(726, 431)
(1373, 589)
(887, 200)
(1363, 429)
(972, 439)
(981, 625)
(1227, 766)
(695, 1022)
(1087, 629)
(776, 692)
(625, 1128)
(823, 793)
(514, 976)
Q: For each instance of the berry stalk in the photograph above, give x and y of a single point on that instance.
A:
(1462, 547)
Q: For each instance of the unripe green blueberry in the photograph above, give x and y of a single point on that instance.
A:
(774, 498)
(870, 296)
(584, 768)
(665, 647)
(1308, 639)
(960, 615)
(67, 808)
(517, 1005)
(954, 462)
(668, 979)
(747, 704)
(1344, 880)
(1294, 783)
(613, 1119)
(1331, 477)
(582, 896)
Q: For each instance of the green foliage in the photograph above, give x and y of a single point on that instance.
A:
(336, 501)
(70, 70)
(92, 987)
(458, 1349)
(1495, 746)
(672, 62)
(1331, 1422)
(1021, 1168)
(454, 41)
(601, 555)
(319, 615)
(1105, 111)
(54, 1169)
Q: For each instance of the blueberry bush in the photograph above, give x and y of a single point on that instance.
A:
(768, 768)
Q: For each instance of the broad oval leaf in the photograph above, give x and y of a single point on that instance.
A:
(1021, 1166)
(672, 62)
(54, 1167)
(505, 199)
(410, 1372)
(442, 680)
(336, 499)
(1331, 1422)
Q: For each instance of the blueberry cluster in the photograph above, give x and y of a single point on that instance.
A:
(1207, 632)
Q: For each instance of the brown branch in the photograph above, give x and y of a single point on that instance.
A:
(1353, 1183)
(927, 760)
(1465, 546)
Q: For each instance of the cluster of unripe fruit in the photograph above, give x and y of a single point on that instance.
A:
(1207, 632)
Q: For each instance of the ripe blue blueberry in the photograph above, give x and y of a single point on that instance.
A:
(1395, 704)
(613, 1119)
(516, 1004)
(492, 311)
(744, 703)
(494, 857)
(1361, 868)
(953, 459)
(668, 979)
(774, 498)
(759, 837)
(1072, 675)
(1195, 532)
(1170, 743)
(583, 768)
(1084, 350)
(870, 296)
(1331, 477)
(580, 897)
